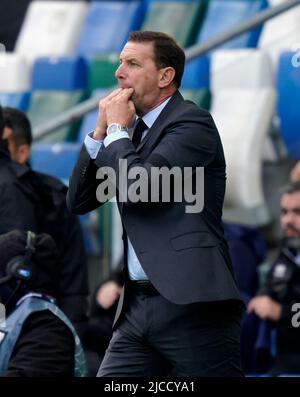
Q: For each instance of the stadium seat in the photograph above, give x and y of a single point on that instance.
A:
(225, 14)
(288, 86)
(51, 28)
(242, 106)
(15, 100)
(57, 160)
(107, 26)
(63, 73)
(228, 66)
(102, 71)
(14, 81)
(200, 97)
(195, 82)
(58, 85)
(281, 33)
(178, 18)
(196, 74)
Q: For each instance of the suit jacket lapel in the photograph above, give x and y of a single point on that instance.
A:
(159, 124)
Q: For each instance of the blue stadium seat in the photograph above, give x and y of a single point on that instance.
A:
(107, 26)
(15, 81)
(58, 85)
(89, 121)
(63, 74)
(57, 160)
(225, 14)
(196, 74)
(15, 100)
(288, 86)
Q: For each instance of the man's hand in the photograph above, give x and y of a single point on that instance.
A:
(120, 108)
(108, 293)
(265, 308)
(101, 126)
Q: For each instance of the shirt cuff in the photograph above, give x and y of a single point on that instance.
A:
(92, 145)
(115, 136)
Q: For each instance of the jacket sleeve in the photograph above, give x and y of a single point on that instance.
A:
(81, 196)
(45, 348)
(17, 211)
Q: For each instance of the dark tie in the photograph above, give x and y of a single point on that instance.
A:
(138, 132)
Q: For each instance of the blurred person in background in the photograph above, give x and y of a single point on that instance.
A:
(104, 302)
(36, 338)
(48, 195)
(17, 210)
(281, 289)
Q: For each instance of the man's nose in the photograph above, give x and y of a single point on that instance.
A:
(119, 73)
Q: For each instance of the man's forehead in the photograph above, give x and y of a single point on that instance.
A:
(134, 49)
(291, 200)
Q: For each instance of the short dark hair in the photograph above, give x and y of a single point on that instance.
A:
(20, 125)
(167, 52)
(291, 187)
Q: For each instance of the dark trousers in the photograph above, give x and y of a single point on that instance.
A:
(156, 337)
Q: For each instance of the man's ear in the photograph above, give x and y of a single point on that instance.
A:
(166, 76)
(23, 154)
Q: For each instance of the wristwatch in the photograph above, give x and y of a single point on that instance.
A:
(115, 127)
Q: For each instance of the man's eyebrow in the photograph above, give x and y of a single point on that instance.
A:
(130, 59)
(295, 209)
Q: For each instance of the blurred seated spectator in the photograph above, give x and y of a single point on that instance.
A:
(247, 250)
(295, 173)
(36, 339)
(48, 195)
(281, 289)
(103, 308)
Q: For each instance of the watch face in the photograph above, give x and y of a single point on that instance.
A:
(113, 128)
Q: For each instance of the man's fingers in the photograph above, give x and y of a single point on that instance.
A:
(113, 93)
(104, 101)
(126, 93)
(123, 95)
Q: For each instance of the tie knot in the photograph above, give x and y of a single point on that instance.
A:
(139, 128)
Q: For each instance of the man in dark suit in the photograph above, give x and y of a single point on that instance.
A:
(180, 309)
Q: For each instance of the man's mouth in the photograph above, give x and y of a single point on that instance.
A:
(292, 232)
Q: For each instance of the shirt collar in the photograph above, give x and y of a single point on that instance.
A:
(151, 116)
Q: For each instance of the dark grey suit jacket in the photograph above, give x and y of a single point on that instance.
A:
(184, 254)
